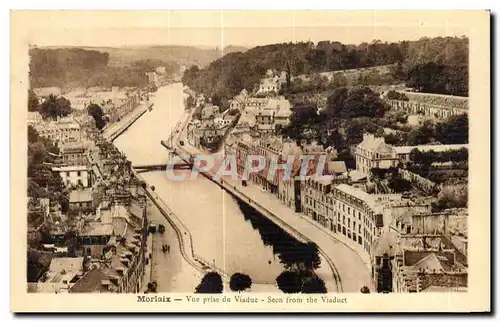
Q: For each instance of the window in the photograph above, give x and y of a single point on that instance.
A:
(338, 227)
(348, 222)
(343, 220)
(354, 236)
(343, 230)
(360, 240)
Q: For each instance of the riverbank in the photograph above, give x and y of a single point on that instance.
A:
(329, 273)
(182, 268)
(349, 267)
(116, 129)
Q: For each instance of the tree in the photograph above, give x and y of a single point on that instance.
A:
(152, 287)
(97, 113)
(314, 285)
(210, 283)
(302, 257)
(357, 102)
(393, 95)
(71, 239)
(240, 282)
(399, 185)
(54, 107)
(335, 102)
(42, 181)
(455, 130)
(190, 101)
(422, 135)
(288, 75)
(32, 101)
(289, 282)
(311, 256)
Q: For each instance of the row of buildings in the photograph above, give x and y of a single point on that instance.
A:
(211, 127)
(395, 232)
(410, 248)
(374, 152)
(99, 243)
(430, 105)
(261, 112)
(81, 98)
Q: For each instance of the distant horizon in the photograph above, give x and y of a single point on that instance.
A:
(213, 47)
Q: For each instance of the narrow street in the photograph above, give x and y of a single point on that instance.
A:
(170, 271)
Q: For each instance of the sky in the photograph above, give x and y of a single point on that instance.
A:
(237, 28)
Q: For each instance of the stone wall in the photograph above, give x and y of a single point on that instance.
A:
(452, 279)
(423, 183)
(416, 107)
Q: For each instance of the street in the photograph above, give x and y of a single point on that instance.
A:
(170, 271)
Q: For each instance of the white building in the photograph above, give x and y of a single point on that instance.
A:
(373, 152)
(282, 109)
(34, 118)
(360, 216)
(269, 85)
(62, 274)
(74, 175)
(63, 131)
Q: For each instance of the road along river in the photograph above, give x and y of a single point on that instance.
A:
(222, 234)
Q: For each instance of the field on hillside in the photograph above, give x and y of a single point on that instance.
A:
(182, 55)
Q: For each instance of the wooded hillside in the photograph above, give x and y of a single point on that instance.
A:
(435, 65)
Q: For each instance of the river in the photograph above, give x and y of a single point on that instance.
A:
(222, 234)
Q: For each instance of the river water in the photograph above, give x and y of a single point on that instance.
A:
(222, 234)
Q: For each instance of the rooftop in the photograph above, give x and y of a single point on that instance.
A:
(335, 167)
(96, 229)
(64, 269)
(427, 148)
(80, 195)
(46, 91)
(91, 282)
(71, 168)
(372, 143)
(429, 259)
(355, 192)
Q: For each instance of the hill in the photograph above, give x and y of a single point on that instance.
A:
(433, 65)
(181, 55)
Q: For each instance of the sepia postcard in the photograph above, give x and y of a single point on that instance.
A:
(250, 161)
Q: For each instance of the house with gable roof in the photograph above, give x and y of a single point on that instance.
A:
(373, 152)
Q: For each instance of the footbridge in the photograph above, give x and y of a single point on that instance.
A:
(162, 167)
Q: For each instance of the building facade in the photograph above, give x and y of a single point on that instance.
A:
(373, 152)
(75, 176)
